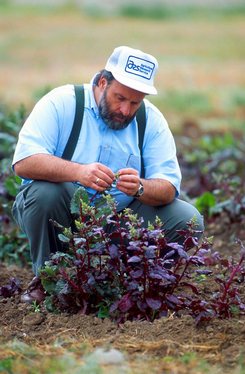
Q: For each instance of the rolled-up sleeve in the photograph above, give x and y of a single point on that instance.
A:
(40, 132)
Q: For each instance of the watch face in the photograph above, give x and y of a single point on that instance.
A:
(140, 190)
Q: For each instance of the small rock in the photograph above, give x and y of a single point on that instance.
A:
(97, 321)
(33, 319)
(209, 329)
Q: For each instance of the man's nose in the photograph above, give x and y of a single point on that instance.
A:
(125, 108)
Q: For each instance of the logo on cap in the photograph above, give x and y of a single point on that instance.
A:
(140, 67)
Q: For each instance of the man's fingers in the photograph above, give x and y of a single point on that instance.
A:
(128, 171)
(98, 176)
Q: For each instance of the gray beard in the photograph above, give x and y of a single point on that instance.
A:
(108, 118)
(115, 125)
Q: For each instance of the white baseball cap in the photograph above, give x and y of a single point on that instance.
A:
(133, 68)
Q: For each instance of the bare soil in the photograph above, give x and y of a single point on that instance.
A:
(219, 342)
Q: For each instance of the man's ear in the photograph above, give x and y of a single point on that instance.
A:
(102, 83)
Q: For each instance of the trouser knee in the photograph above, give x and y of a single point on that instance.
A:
(174, 216)
(43, 201)
(50, 199)
(177, 216)
(188, 213)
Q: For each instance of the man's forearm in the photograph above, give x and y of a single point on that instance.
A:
(47, 167)
(157, 192)
(54, 169)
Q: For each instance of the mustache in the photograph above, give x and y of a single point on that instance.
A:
(121, 116)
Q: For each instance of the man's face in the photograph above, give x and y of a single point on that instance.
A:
(118, 105)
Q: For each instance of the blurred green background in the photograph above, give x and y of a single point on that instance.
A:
(199, 45)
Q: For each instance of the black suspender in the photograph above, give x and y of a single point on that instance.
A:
(141, 122)
(77, 124)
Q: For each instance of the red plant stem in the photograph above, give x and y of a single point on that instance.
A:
(145, 272)
(69, 280)
(94, 196)
(100, 259)
(233, 273)
(118, 225)
(103, 236)
(83, 234)
(88, 254)
(73, 246)
(184, 270)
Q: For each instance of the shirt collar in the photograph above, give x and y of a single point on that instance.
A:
(90, 99)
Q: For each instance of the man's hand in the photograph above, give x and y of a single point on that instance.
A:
(97, 176)
(128, 181)
(156, 191)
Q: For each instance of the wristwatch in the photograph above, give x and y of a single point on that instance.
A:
(140, 191)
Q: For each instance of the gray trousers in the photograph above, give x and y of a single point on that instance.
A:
(39, 202)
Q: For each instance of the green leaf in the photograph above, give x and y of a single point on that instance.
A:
(11, 184)
(49, 305)
(80, 194)
(63, 238)
(205, 202)
(49, 285)
(103, 311)
(49, 271)
(60, 286)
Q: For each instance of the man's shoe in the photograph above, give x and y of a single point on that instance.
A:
(34, 293)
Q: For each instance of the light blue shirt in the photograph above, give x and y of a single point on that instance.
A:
(48, 127)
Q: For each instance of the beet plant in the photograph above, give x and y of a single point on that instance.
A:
(113, 266)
